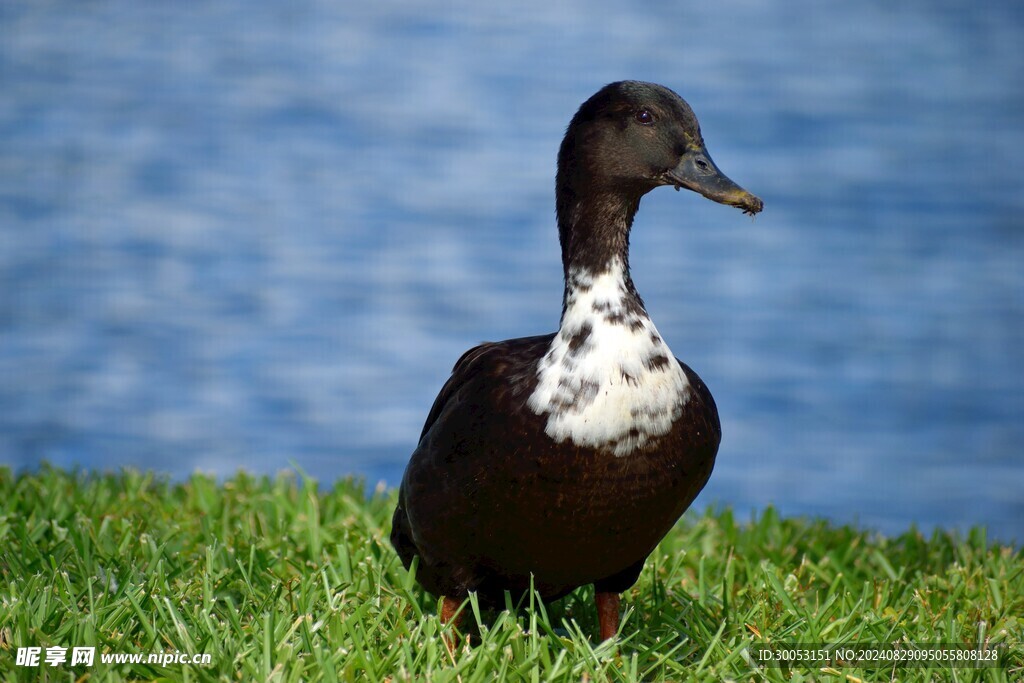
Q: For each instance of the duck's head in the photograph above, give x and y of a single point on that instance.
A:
(631, 137)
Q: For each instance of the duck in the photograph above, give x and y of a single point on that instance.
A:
(556, 461)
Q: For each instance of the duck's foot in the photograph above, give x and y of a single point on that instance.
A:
(450, 614)
(607, 613)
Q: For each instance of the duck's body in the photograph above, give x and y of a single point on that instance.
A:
(504, 500)
(567, 457)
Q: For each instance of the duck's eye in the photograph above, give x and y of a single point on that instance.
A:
(644, 116)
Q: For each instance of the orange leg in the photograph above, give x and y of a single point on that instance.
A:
(607, 613)
(450, 613)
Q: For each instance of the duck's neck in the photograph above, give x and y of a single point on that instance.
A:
(607, 382)
(594, 234)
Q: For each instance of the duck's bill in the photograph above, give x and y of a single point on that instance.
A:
(696, 171)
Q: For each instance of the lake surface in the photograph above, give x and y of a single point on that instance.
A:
(242, 235)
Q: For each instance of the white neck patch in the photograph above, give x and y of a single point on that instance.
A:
(608, 381)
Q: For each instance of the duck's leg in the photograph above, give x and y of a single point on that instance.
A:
(606, 595)
(450, 613)
(607, 613)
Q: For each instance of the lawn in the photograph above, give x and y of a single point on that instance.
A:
(277, 579)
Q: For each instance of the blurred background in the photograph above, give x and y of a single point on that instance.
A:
(244, 235)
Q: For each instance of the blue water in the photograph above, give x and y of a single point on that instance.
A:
(244, 235)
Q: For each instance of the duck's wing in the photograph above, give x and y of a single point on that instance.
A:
(481, 393)
(470, 365)
(494, 368)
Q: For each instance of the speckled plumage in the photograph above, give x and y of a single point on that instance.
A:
(606, 381)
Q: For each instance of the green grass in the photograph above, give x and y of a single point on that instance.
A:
(278, 580)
